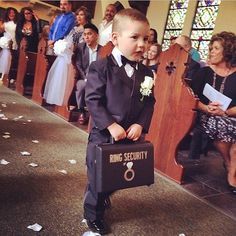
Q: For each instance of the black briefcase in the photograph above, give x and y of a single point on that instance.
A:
(120, 166)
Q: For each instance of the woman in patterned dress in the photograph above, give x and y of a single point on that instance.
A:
(28, 27)
(217, 122)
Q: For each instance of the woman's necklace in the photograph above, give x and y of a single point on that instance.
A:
(222, 86)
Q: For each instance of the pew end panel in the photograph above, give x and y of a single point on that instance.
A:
(5, 80)
(173, 112)
(64, 111)
(26, 68)
(106, 50)
(22, 64)
(13, 69)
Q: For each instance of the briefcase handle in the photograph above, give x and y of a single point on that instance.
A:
(126, 141)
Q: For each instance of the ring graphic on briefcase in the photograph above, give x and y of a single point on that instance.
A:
(120, 166)
(129, 173)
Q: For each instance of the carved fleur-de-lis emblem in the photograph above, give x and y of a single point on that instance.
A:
(170, 68)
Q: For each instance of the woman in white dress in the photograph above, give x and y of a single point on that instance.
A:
(9, 29)
(60, 75)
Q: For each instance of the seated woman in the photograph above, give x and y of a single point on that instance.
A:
(152, 57)
(152, 39)
(9, 28)
(220, 124)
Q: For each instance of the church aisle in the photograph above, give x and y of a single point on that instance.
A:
(53, 198)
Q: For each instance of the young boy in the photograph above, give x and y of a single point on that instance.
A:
(86, 53)
(114, 100)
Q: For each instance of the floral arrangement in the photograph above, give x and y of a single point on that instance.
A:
(60, 47)
(146, 86)
(4, 42)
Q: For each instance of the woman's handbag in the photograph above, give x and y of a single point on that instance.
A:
(120, 166)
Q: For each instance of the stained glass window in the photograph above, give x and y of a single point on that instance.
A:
(175, 21)
(204, 24)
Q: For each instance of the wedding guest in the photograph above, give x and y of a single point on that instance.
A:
(152, 37)
(152, 60)
(8, 41)
(119, 6)
(61, 39)
(28, 27)
(105, 28)
(63, 23)
(186, 43)
(86, 53)
(83, 17)
(193, 62)
(219, 124)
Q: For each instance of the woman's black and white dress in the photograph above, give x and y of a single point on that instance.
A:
(220, 128)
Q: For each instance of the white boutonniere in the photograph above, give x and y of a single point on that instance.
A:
(146, 86)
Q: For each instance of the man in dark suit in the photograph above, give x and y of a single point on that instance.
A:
(85, 54)
(120, 100)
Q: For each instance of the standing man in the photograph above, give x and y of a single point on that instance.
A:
(63, 23)
(105, 28)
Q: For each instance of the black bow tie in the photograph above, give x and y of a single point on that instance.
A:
(125, 61)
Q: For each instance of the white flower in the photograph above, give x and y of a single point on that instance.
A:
(148, 82)
(60, 47)
(146, 86)
(4, 42)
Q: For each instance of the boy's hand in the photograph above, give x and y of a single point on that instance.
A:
(117, 131)
(134, 132)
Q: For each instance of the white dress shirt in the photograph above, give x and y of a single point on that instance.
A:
(105, 30)
(117, 55)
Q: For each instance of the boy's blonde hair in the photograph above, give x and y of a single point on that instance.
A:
(130, 14)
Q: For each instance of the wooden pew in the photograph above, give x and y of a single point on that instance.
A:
(43, 64)
(64, 111)
(173, 113)
(26, 67)
(106, 50)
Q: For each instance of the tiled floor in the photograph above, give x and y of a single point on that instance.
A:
(206, 179)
